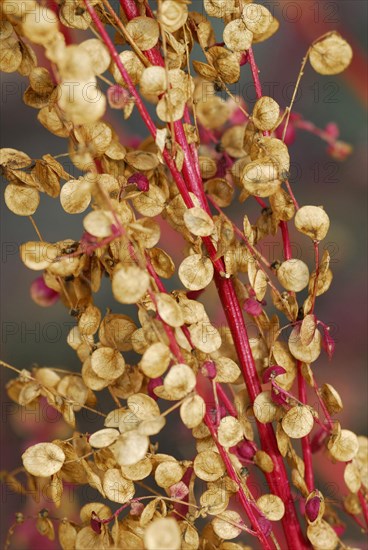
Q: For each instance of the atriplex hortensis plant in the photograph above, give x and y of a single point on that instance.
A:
(202, 152)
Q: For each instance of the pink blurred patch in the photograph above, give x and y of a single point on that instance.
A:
(41, 294)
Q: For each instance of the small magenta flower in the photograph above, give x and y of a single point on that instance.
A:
(140, 180)
(117, 96)
(208, 369)
(95, 523)
(42, 294)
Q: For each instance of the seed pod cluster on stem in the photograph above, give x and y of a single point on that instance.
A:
(194, 162)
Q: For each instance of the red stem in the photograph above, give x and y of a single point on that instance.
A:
(226, 401)
(364, 505)
(286, 240)
(232, 474)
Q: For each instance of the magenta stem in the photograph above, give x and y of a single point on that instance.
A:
(364, 505)
(226, 401)
(232, 474)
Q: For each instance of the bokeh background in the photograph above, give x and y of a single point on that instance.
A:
(30, 334)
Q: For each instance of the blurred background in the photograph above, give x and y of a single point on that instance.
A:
(31, 334)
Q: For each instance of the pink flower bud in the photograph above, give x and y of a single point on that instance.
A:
(179, 490)
(42, 294)
(95, 523)
(312, 508)
(117, 96)
(208, 369)
(271, 372)
(140, 180)
(339, 529)
(328, 342)
(252, 307)
(332, 130)
(246, 449)
(339, 150)
(136, 508)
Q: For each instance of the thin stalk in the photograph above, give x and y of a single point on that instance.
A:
(306, 447)
(233, 475)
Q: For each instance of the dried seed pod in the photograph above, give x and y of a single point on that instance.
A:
(271, 506)
(21, 200)
(344, 447)
(81, 101)
(179, 381)
(38, 255)
(306, 354)
(331, 399)
(226, 530)
(133, 66)
(260, 178)
(230, 431)
(322, 535)
(155, 360)
(236, 36)
(144, 31)
(264, 461)
(103, 438)
(129, 283)
(205, 337)
(257, 18)
(264, 408)
(163, 533)
(198, 221)
(75, 196)
(196, 272)
(208, 466)
(293, 275)
(143, 406)
(352, 477)
(40, 24)
(227, 371)
(168, 473)
(192, 411)
(172, 15)
(11, 55)
(116, 487)
(130, 448)
(312, 221)
(219, 8)
(169, 310)
(330, 55)
(138, 471)
(43, 459)
(171, 106)
(226, 64)
(98, 53)
(266, 111)
(107, 363)
(298, 422)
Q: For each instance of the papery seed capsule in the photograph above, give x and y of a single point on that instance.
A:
(40, 24)
(265, 113)
(293, 275)
(312, 221)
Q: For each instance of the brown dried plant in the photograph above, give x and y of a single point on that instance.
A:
(203, 153)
